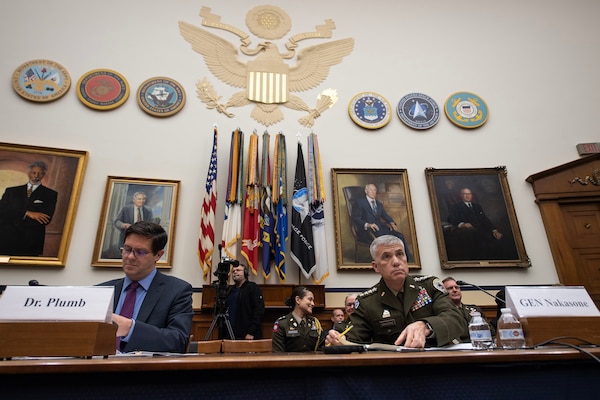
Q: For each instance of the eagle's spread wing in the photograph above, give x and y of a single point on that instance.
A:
(314, 62)
(220, 55)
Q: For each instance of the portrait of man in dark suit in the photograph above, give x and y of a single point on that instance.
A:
(480, 238)
(25, 211)
(371, 219)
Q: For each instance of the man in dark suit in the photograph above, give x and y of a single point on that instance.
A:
(24, 213)
(131, 213)
(161, 318)
(479, 237)
(371, 220)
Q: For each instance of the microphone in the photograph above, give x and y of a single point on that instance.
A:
(463, 283)
(34, 282)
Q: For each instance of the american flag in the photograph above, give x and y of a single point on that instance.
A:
(206, 242)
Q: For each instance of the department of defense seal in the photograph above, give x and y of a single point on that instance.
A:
(418, 111)
(466, 110)
(161, 97)
(41, 80)
(369, 110)
(102, 89)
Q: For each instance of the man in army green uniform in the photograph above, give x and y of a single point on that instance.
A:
(402, 309)
(455, 295)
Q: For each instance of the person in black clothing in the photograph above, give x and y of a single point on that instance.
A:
(246, 305)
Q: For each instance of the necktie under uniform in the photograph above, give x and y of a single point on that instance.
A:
(128, 305)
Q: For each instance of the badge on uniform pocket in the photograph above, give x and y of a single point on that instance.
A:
(387, 323)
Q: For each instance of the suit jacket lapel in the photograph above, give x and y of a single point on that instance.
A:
(152, 297)
(118, 289)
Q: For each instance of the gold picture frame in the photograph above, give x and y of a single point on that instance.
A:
(160, 206)
(483, 234)
(59, 196)
(350, 213)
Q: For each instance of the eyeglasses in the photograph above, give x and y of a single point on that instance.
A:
(126, 250)
(452, 287)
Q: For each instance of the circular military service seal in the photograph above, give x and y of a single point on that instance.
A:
(102, 89)
(370, 110)
(466, 110)
(161, 97)
(41, 80)
(418, 111)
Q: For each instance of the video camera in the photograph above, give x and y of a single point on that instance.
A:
(221, 284)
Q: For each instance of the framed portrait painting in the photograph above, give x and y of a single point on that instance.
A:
(368, 203)
(129, 200)
(474, 218)
(40, 189)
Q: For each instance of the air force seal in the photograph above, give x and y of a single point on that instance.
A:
(369, 110)
(466, 110)
(418, 111)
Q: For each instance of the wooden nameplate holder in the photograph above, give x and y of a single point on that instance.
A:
(57, 339)
(541, 329)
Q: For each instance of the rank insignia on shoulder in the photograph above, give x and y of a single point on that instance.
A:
(422, 278)
(369, 292)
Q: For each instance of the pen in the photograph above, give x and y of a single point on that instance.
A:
(346, 330)
(343, 333)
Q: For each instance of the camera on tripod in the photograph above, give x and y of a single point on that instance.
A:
(222, 274)
(221, 285)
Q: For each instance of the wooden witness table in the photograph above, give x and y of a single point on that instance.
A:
(557, 372)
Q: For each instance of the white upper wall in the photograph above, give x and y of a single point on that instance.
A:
(533, 62)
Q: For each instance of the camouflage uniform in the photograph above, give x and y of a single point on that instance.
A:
(289, 336)
(380, 316)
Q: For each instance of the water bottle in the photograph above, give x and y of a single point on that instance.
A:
(510, 333)
(479, 331)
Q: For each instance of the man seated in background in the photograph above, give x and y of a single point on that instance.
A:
(467, 310)
(337, 316)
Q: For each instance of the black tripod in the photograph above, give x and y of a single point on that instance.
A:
(222, 316)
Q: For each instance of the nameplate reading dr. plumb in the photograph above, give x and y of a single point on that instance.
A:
(550, 301)
(56, 303)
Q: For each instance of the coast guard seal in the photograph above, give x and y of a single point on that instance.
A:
(466, 110)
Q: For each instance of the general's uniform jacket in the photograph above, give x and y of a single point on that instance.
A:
(379, 316)
(289, 336)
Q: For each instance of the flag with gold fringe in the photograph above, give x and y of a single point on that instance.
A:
(206, 241)
(233, 210)
(251, 224)
(267, 222)
(302, 249)
(316, 199)
(280, 205)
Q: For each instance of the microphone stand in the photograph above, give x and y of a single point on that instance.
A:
(463, 283)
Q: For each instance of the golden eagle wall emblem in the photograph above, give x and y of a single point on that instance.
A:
(268, 81)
